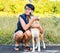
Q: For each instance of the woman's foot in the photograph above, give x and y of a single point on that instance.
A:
(27, 48)
(16, 48)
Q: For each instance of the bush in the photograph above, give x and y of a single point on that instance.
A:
(42, 7)
(2, 6)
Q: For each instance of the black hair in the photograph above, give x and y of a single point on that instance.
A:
(30, 6)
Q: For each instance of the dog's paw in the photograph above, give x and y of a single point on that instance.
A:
(44, 46)
(33, 50)
(39, 50)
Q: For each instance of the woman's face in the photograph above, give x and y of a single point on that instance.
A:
(28, 10)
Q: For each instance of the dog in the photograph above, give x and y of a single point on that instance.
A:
(36, 38)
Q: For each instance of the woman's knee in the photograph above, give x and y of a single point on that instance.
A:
(28, 34)
(18, 35)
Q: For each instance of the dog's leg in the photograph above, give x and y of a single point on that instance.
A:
(42, 36)
(33, 44)
(38, 42)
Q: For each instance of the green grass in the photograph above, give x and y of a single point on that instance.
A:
(7, 27)
(51, 28)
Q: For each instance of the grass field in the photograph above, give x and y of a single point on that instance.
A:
(51, 28)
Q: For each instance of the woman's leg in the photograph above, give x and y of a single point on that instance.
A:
(18, 37)
(27, 36)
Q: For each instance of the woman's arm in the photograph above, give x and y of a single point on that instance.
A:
(26, 26)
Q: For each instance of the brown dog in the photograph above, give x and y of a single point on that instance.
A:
(36, 36)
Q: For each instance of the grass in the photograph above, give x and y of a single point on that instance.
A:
(51, 28)
(7, 27)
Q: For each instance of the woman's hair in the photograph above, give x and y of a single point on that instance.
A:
(30, 6)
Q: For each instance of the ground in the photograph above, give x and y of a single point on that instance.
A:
(49, 49)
